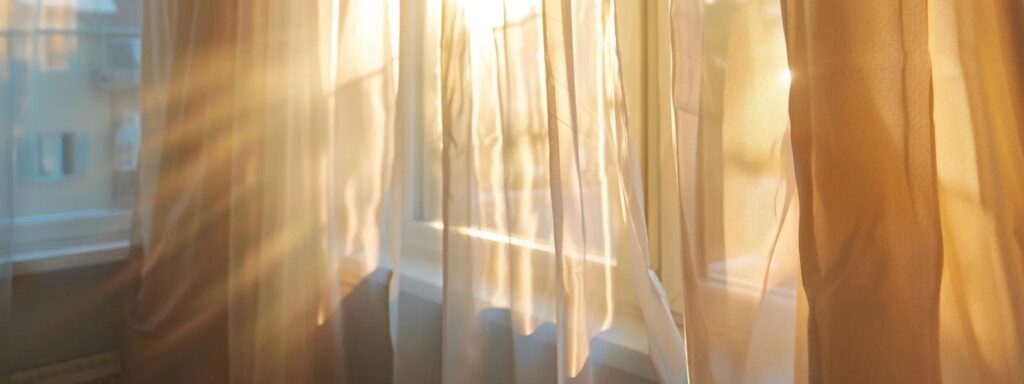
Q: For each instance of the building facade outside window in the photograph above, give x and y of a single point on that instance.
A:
(69, 92)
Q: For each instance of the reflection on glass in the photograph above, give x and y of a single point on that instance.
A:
(69, 120)
(69, 93)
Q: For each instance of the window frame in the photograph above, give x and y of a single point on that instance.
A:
(87, 237)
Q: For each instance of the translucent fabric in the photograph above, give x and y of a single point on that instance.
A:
(543, 225)
(7, 184)
(906, 151)
(847, 180)
(977, 52)
(906, 121)
(871, 247)
(737, 191)
(267, 155)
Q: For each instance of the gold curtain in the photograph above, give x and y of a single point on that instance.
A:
(906, 119)
(902, 259)
(977, 70)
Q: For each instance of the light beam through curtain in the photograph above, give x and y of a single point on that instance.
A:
(267, 157)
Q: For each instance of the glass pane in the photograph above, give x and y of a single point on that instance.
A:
(69, 99)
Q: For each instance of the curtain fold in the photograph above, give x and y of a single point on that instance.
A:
(737, 191)
(850, 182)
(909, 244)
(269, 144)
(870, 239)
(543, 226)
(907, 144)
(976, 53)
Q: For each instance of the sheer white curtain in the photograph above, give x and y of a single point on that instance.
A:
(977, 53)
(543, 216)
(267, 157)
(270, 217)
(730, 85)
(269, 178)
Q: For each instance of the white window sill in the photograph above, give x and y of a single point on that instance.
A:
(65, 240)
(50, 260)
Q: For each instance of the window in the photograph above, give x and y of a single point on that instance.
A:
(54, 156)
(644, 44)
(70, 95)
(526, 184)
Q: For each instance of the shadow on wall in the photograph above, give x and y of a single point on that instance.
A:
(63, 315)
(69, 314)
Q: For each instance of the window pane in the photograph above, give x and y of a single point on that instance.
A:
(69, 91)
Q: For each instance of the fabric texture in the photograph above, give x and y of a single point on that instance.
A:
(537, 154)
(261, 255)
(870, 239)
(737, 191)
(906, 141)
(906, 130)
(977, 74)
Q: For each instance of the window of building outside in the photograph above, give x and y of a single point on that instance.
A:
(69, 92)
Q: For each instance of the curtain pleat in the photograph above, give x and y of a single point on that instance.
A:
(975, 48)
(863, 145)
(268, 154)
(737, 191)
(543, 227)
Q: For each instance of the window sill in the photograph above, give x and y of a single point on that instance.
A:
(623, 346)
(625, 343)
(78, 256)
